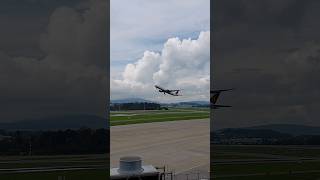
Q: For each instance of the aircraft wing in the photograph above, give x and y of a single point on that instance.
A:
(174, 92)
(215, 106)
(214, 98)
(158, 87)
(220, 90)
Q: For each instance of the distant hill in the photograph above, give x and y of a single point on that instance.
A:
(276, 134)
(130, 100)
(292, 129)
(195, 102)
(189, 103)
(250, 133)
(57, 123)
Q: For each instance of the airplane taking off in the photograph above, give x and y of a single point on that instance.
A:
(214, 98)
(168, 91)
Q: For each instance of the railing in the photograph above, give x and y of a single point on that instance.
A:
(191, 175)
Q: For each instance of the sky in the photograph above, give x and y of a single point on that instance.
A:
(53, 58)
(160, 42)
(269, 51)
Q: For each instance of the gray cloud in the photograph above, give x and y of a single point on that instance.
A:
(70, 76)
(269, 52)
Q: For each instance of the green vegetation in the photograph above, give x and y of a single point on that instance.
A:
(140, 116)
(281, 150)
(265, 168)
(265, 162)
(69, 175)
(68, 141)
(301, 176)
(98, 163)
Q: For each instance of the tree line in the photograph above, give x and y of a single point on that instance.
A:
(135, 106)
(81, 141)
(267, 137)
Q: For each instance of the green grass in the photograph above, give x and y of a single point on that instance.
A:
(70, 175)
(134, 117)
(50, 164)
(290, 151)
(191, 109)
(302, 176)
(274, 167)
(302, 169)
(12, 162)
(44, 161)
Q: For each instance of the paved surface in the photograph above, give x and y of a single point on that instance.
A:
(180, 145)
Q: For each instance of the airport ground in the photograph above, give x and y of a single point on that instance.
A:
(182, 146)
(265, 162)
(148, 116)
(78, 167)
(72, 167)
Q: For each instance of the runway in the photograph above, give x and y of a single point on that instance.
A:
(179, 145)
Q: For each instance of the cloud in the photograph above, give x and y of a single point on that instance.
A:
(269, 52)
(181, 64)
(138, 25)
(283, 87)
(70, 78)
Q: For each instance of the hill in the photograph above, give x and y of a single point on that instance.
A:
(250, 133)
(57, 123)
(293, 129)
(130, 100)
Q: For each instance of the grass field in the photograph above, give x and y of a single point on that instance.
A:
(69, 175)
(301, 176)
(265, 162)
(174, 114)
(72, 167)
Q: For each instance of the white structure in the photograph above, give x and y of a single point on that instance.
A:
(131, 168)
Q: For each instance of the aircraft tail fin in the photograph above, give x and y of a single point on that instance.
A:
(221, 90)
(214, 98)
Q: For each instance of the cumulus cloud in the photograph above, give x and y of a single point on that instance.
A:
(181, 64)
(269, 52)
(70, 78)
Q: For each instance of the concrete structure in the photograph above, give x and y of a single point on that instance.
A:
(181, 146)
(131, 168)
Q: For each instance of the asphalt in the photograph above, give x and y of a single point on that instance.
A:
(179, 145)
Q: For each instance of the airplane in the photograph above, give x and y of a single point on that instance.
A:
(214, 98)
(168, 91)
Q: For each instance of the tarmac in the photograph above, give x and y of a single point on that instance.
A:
(181, 146)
